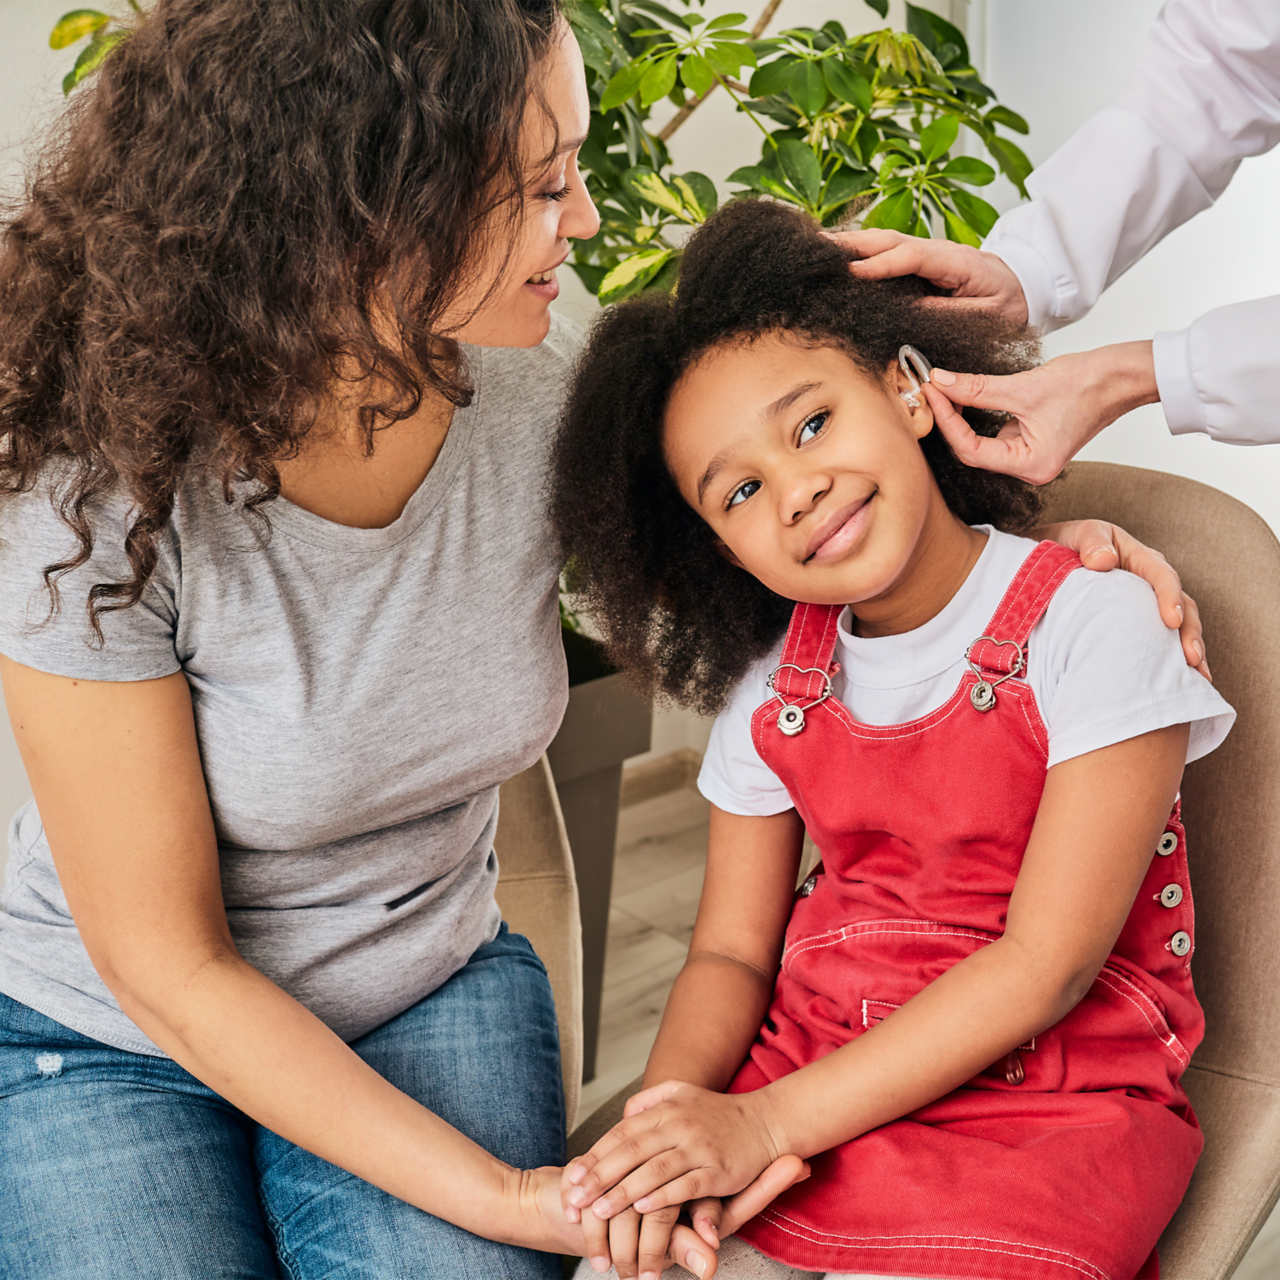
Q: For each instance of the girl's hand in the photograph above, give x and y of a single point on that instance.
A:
(679, 1142)
(1103, 546)
(644, 1245)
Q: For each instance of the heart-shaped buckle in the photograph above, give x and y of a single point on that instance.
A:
(983, 694)
(791, 717)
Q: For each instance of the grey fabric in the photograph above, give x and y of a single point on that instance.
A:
(359, 696)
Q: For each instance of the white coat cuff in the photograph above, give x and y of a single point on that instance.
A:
(1034, 275)
(1179, 399)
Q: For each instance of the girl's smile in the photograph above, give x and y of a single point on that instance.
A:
(809, 471)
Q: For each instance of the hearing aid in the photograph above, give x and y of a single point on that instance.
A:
(914, 365)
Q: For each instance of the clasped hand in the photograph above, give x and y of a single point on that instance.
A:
(678, 1144)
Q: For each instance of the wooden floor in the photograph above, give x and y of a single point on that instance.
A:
(656, 881)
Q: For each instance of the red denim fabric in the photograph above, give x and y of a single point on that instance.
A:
(1067, 1158)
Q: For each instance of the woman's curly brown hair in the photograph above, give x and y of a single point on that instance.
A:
(674, 613)
(231, 209)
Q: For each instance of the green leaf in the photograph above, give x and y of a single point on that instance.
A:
(632, 274)
(808, 88)
(729, 59)
(847, 85)
(846, 185)
(934, 32)
(880, 6)
(749, 175)
(589, 275)
(801, 168)
(773, 77)
(643, 182)
(696, 74)
(896, 212)
(975, 211)
(939, 137)
(698, 193)
(847, 153)
(658, 80)
(835, 31)
(726, 20)
(1010, 119)
(977, 173)
(76, 25)
(960, 231)
(91, 58)
(758, 178)
(1012, 160)
(623, 86)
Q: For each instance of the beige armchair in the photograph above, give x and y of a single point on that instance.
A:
(1230, 562)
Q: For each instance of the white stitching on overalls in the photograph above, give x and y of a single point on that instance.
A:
(814, 1236)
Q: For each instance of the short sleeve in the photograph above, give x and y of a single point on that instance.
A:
(1106, 668)
(138, 642)
(733, 777)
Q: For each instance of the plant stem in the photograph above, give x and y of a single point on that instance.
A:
(689, 108)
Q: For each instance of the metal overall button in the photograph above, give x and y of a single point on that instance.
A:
(1171, 895)
(809, 886)
(1180, 943)
(1168, 843)
(791, 717)
(983, 694)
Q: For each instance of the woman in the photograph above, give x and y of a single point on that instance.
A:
(279, 616)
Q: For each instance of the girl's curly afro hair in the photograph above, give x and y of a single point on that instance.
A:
(683, 621)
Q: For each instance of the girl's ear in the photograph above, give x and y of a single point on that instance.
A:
(920, 413)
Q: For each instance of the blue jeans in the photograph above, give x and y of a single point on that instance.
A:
(114, 1164)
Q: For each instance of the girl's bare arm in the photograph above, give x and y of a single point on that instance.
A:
(1099, 819)
(115, 769)
(719, 1000)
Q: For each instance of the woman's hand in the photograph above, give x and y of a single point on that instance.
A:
(1055, 409)
(1103, 546)
(977, 281)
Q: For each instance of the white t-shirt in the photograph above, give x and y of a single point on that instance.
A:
(1101, 663)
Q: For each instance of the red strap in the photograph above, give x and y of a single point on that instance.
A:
(807, 653)
(1023, 605)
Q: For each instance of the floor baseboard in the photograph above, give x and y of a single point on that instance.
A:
(672, 772)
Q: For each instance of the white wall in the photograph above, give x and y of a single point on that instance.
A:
(30, 91)
(1057, 62)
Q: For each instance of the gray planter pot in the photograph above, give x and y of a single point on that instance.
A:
(605, 724)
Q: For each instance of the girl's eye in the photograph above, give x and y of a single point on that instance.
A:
(557, 195)
(742, 493)
(811, 426)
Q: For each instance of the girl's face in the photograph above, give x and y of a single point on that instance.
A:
(809, 471)
(519, 273)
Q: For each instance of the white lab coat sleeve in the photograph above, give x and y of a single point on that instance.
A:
(1203, 95)
(1222, 375)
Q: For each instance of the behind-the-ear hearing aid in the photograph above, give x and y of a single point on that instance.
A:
(913, 365)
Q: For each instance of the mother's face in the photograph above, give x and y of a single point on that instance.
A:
(556, 209)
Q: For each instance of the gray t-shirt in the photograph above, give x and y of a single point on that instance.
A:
(359, 695)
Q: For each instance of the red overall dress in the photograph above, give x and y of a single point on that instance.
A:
(1067, 1158)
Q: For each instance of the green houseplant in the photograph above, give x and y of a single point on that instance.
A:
(864, 125)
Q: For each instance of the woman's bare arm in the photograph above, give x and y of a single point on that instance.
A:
(116, 773)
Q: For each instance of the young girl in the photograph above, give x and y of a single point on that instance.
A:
(973, 1016)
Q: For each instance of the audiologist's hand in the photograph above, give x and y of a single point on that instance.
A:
(976, 281)
(1054, 410)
